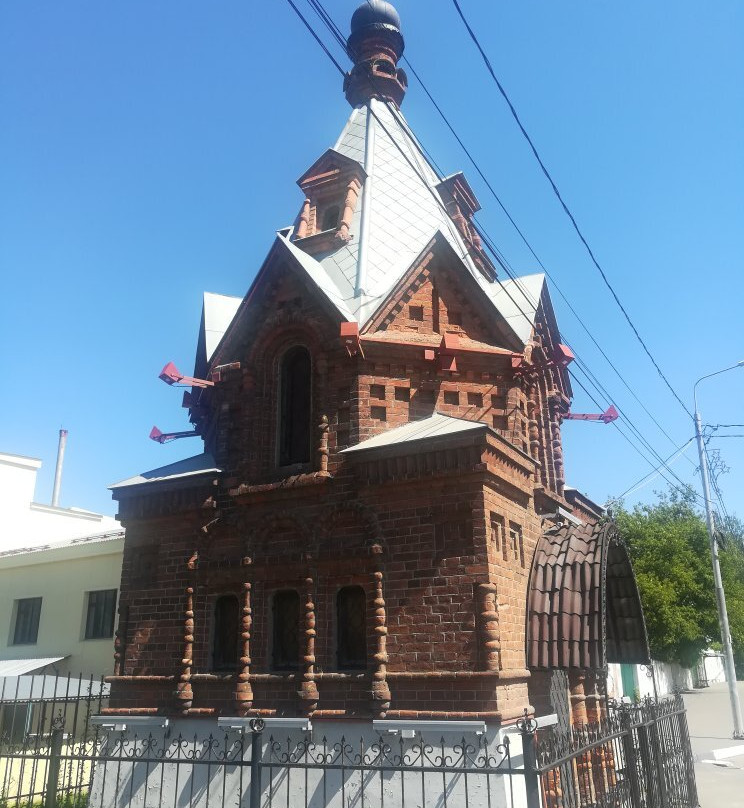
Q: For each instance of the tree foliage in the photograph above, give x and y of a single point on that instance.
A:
(668, 543)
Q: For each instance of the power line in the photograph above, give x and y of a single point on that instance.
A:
(648, 477)
(565, 206)
(685, 489)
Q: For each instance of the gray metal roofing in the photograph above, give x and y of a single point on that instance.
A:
(190, 467)
(98, 538)
(435, 426)
(219, 311)
(404, 212)
(17, 667)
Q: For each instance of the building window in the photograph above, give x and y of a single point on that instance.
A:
(294, 413)
(285, 652)
(99, 620)
(27, 614)
(226, 632)
(351, 628)
(330, 218)
(416, 313)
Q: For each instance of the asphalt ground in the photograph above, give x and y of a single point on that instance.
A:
(711, 728)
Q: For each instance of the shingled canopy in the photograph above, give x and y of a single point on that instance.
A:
(583, 606)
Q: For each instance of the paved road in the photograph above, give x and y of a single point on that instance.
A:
(711, 727)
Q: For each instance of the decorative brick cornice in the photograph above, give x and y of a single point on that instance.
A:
(293, 481)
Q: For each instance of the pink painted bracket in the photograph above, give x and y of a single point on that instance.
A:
(164, 437)
(607, 417)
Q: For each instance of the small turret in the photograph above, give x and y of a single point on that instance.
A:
(375, 45)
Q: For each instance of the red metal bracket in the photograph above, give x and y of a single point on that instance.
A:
(563, 355)
(350, 338)
(164, 437)
(606, 417)
(170, 374)
(446, 354)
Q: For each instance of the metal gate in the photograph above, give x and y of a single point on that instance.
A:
(640, 757)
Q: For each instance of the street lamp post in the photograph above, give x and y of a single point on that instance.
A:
(728, 652)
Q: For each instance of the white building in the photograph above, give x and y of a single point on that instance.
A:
(59, 580)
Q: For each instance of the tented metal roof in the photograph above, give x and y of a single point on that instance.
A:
(398, 214)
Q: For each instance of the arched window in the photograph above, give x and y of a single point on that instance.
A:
(351, 628)
(285, 649)
(330, 217)
(294, 410)
(226, 633)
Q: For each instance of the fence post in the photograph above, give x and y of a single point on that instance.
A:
(257, 727)
(527, 728)
(55, 759)
(658, 757)
(631, 759)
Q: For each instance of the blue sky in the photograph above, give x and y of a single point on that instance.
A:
(148, 152)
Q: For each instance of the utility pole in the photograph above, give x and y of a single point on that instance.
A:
(728, 651)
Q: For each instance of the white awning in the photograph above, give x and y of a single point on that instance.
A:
(18, 667)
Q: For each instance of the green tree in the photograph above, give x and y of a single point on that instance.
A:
(668, 544)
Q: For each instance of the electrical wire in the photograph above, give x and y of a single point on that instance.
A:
(565, 207)
(652, 474)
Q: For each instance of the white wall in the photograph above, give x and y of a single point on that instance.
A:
(670, 678)
(61, 577)
(25, 523)
(129, 784)
(715, 670)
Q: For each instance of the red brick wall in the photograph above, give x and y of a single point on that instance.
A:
(435, 529)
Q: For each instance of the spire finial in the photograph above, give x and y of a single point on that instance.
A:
(375, 45)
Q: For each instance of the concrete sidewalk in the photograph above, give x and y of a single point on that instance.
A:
(711, 728)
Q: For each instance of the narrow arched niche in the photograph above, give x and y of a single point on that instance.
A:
(295, 407)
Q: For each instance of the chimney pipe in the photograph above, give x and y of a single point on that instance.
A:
(58, 469)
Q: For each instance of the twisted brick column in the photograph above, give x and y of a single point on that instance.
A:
(308, 689)
(380, 688)
(489, 624)
(243, 689)
(184, 694)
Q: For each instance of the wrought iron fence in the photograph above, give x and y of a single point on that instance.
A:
(259, 769)
(48, 745)
(638, 757)
(52, 755)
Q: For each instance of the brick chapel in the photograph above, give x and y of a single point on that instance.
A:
(378, 525)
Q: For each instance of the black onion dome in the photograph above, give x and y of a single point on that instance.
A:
(376, 13)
